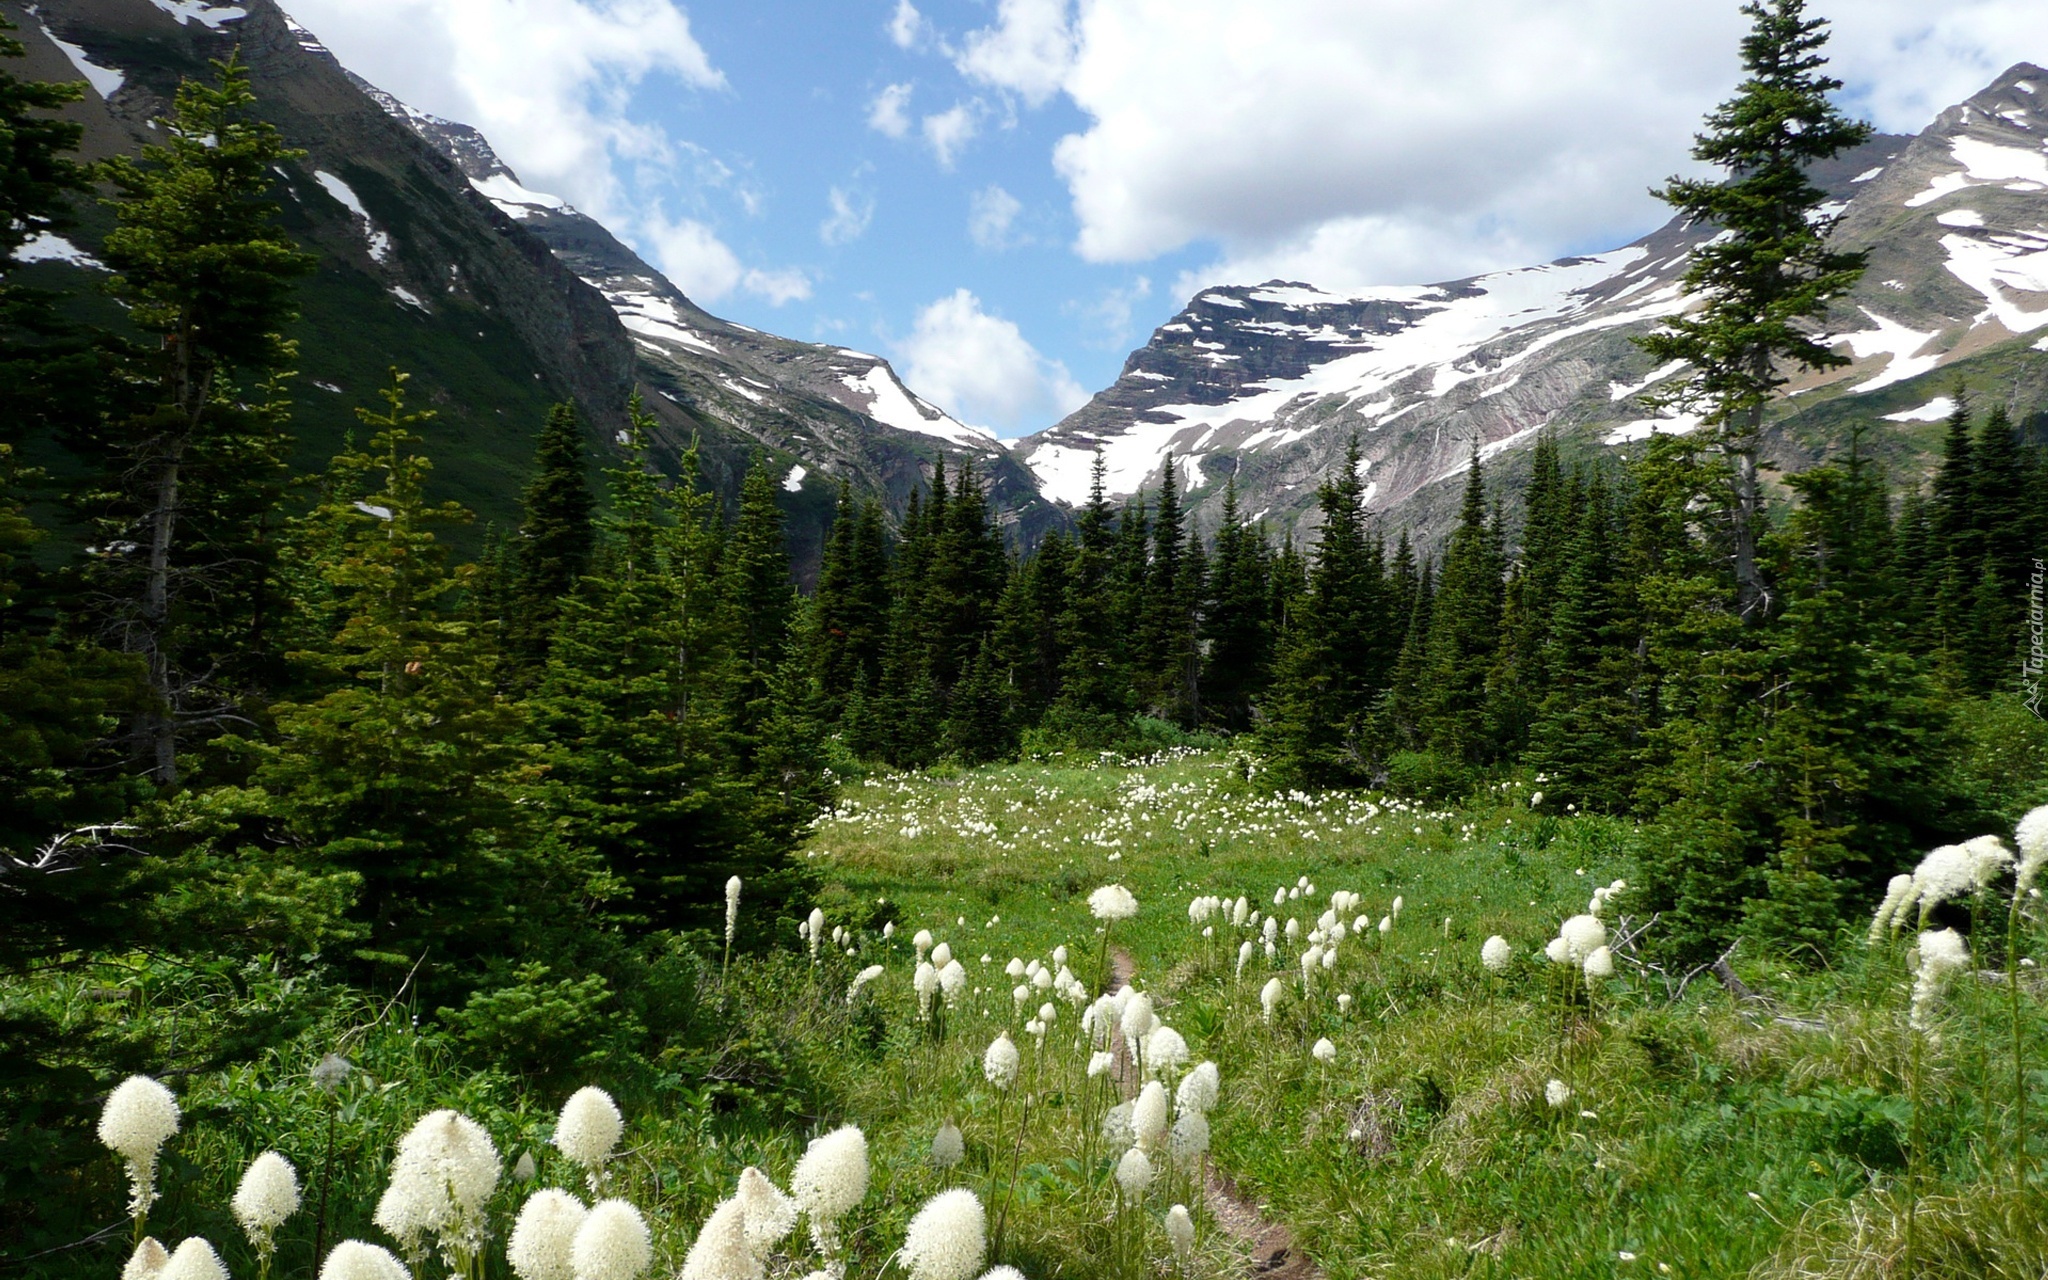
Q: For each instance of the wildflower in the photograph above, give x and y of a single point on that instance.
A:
(1015, 968)
(1112, 902)
(193, 1259)
(445, 1170)
(1137, 1019)
(1942, 955)
(588, 1129)
(1165, 1051)
(942, 955)
(147, 1262)
(544, 1236)
(2032, 837)
(1386, 925)
(1001, 1061)
(329, 1072)
(816, 933)
(732, 909)
(922, 941)
(1311, 960)
(1897, 895)
(1557, 1093)
(1180, 1233)
(948, 1147)
(140, 1116)
(1002, 1273)
(1600, 964)
(861, 979)
(1134, 1174)
(1324, 1051)
(1558, 950)
(523, 1170)
(1244, 955)
(1149, 1116)
(268, 1194)
(1583, 935)
(1189, 1141)
(1100, 1061)
(926, 983)
(1496, 954)
(613, 1242)
(720, 1251)
(1198, 1089)
(355, 1260)
(952, 980)
(1397, 907)
(1116, 1125)
(1269, 997)
(947, 1240)
(1954, 871)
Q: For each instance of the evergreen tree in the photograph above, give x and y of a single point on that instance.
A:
(1238, 627)
(756, 604)
(1095, 697)
(1585, 735)
(1464, 634)
(555, 538)
(1772, 271)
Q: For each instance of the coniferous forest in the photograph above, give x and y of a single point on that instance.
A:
(286, 752)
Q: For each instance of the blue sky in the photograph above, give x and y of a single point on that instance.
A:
(1005, 196)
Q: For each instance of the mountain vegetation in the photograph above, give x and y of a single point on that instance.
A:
(288, 780)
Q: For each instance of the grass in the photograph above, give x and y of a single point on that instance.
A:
(1700, 1139)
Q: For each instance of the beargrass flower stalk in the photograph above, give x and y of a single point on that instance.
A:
(1556, 1093)
(1189, 1140)
(861, 979)
(720, 1251)
(832, 1178)
(1117, 1130)
(1269, 997)
(921, 942)
(612, 1244)
(1166, 1050)
(356, 1260)
(1897, 895)
(1134, 1175)
(268, 1194)
(948, 1239)
(949, 1148)
(1324, 1051)
(1942, 955)
(1199, 1089)
(942, 955)
(1496, 954)
(147, 1262)
(588, 1131)
(139, 1117)
(542, 1246)
(193, 1259)
(444, 1174)
(1150, 1116)
(1180, 1234)
(1600, 964)
(1109, 904)
(815, 935)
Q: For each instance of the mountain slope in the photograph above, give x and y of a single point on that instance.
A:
(498, 299)
(1268, 382)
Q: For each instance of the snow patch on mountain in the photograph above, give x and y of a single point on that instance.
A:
(1933, 411)
(505, 191)
(210, 16)
(47, 247)
(1890, 338)
(105, 81)
(1998, 265)
(380, 243)
(893, 406)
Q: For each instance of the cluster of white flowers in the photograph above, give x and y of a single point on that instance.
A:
(732, 909)
(1112, 902)
(948, 1239)
(861, 979)
(948, 1146)
(611, 1244)
(542, 1246)
(1942, 955)
(193, 1259)
(140, 1116)
(1496, 954)
(832, 1178)
(1324, 1051)
(444, 1173)
(268, 1194)
(355, 1260)
(1000, 1064)
(2032, 838)
(588, 1130)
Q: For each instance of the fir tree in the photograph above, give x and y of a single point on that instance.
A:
(756, 602)
(1237, 627)
(555, 538)
(1772, 270)
(1464, 634)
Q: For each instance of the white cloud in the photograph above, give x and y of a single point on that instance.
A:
(1374, 141)
(1028, 51)
(1111, 314)
(990, 215)
(548, 81)
(906, 24)
(980, 368)
(889, 113)
(851, 213)
(951, 130)
(705, 267)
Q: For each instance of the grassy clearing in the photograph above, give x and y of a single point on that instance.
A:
(1696, 1138)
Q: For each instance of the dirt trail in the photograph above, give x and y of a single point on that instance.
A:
(1274, 1256)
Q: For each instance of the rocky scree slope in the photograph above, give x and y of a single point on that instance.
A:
(1269, 382)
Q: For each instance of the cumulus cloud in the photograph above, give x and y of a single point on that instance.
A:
(905, 25)
(1028, 51)
(980, 368)
(949, 132)
(1110, 315)
(852, 211)
(1368, 141)
(703, 266)
(990, 215)
(889, 113)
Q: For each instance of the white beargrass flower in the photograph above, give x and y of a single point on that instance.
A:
(720, 1251)
(356, 1260)
(147, 1262)
(1015, 968)
(1149, 1116)
(1116, 1125)
(1600, 964)
(612, 1244)
(1897, 896)
(861, 979)
(922, 942)
(268, 1194)
(1245, 951)
(1558, 951)
(588, 1130)
(1324, 1051)
(732, 909)
(770, 1215)
(815, 933)
(926, 983)
(1112, 902)
(1199, 1089)
(1180, 1233)
(193, 1259)
(1955, 871)
(1583, 935)
(2032, 837)
(1557, 1093)
(1001, 1061)
(1002, 1273)
(942, 955)
(445, 1171)
(1496, 954)
(543, 1240)
(140, 1116)
(1189, 1141)
(832, 1178)
(1943, 954)
(1100, 1061)
(948, 1146)
(1311, 960)
(1269, 997)
(1137, 1019)
(952, 981)
(1165, 1051)
(948, 1238)
(1134, 1174)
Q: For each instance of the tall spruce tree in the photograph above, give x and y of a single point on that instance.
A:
(1772, 271)
(556, 534)
(1237, 627)
(1465, 634)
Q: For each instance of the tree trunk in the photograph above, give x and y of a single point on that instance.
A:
(161, 725)
(1752, 593)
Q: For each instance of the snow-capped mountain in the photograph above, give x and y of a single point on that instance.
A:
(1268, 382)
(498, 298)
